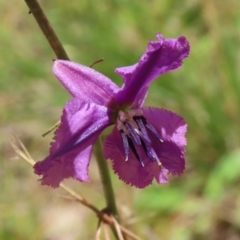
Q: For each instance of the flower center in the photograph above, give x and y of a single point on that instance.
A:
(134, 130)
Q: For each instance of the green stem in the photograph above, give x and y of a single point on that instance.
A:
(106, 180)
(46, 28)
(107, 185)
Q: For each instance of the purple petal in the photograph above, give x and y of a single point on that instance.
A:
(162, 176)
(161, 56)
(169, 125)
(171, 156)
(140, 98)
(81, 124)
(84, 82)
(73, 164)
(131, 171)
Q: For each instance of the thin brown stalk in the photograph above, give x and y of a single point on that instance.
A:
(56, 125)
(118, 230)
(44, 24)
(106, 231)
(99, 230)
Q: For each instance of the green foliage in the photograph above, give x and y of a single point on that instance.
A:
(224, 176)
(203, 203)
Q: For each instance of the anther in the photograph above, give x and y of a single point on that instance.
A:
(125, 144)
(151, 153)
(153, 130)
(131, 144)
(143, 130)
(133, 133)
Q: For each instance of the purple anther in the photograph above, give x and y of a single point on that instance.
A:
(148, 150)
(153, 130)
(143, 130)
(133, 133)
(125, 144)
(131, 144)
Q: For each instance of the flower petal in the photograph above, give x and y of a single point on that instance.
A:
(162, 176)
(161, 56)
(73, 164)
(171, 157)
(84, 82)
(81, 124)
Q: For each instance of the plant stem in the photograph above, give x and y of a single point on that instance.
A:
(107, 185)
(46, 28)
(106, 180)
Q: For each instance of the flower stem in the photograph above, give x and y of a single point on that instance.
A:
(106, 180)
(107, 185)
(46, 28)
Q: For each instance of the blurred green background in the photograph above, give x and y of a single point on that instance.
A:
(202, 203)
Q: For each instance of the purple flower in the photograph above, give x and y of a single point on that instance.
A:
(145, 143)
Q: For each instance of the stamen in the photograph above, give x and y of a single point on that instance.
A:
(156, 158)
(143, 130)
(139, 133)
(133, 133)
(152, 129)
(147, 149)
(125, 144)
(151, 153)
(131, 144)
